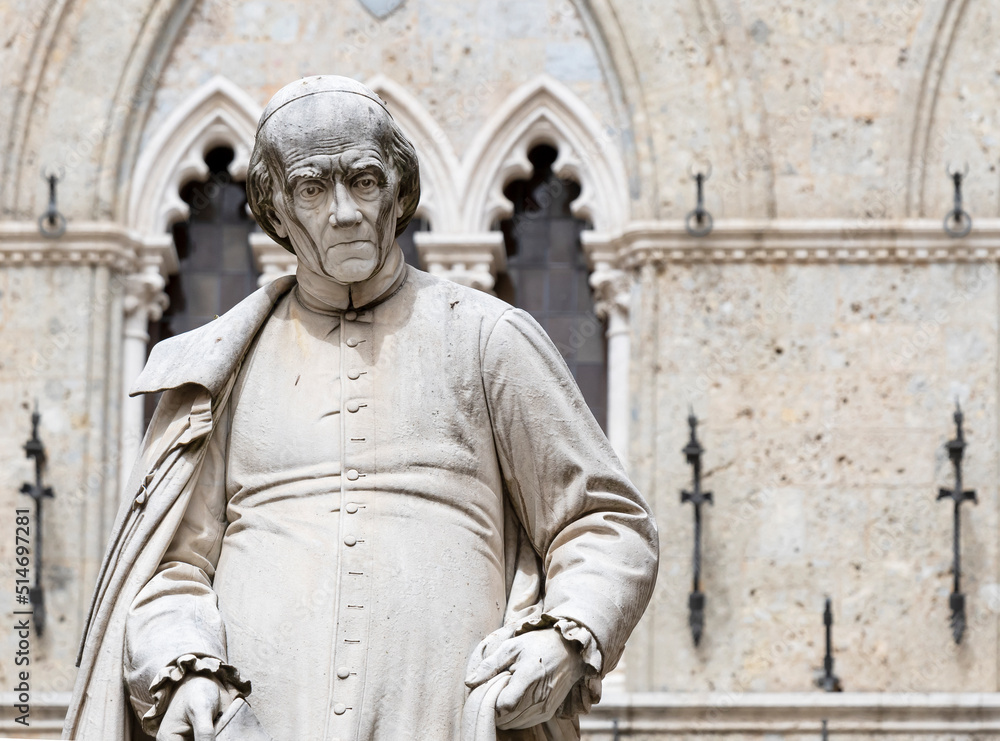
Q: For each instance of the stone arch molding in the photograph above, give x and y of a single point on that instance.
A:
(544, 111)
(218, 113)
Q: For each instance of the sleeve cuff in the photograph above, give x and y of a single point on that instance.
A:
(587, 691)
(165, 682)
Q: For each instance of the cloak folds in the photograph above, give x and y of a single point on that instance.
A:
(159, 488)
(473, 358)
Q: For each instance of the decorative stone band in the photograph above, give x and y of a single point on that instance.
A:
(481, 255)
(86, 244)
(806, 241)
(909, 714)
(473, 260)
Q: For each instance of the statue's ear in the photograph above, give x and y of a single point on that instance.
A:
(277, 224)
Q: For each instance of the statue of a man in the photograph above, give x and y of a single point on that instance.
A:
(376, 496)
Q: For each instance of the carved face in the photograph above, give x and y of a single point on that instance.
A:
(338, 204)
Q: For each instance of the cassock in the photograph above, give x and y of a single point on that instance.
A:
(360, 517)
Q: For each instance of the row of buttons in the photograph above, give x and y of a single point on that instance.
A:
(350, 541)
(352, 623)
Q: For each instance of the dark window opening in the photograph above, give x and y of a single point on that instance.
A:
(216, 269)
(547, 273)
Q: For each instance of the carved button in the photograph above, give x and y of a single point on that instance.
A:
(351, 508)
(354, 374)
(343, 672)
(340, 708)
(352, 342)
(353, 406)
(350, 541)
(351, 316)
(352, 475)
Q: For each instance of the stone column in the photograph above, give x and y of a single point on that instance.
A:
(144, 302)
(612, 290)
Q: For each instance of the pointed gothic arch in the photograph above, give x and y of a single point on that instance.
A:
(218, 113)
(544, 111)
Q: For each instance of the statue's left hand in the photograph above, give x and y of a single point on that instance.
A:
(544, 668)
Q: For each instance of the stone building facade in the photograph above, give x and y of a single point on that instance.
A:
(822, 331)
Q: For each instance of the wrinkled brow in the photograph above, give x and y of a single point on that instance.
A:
(324, 168)
(366, 163)
(316, 167)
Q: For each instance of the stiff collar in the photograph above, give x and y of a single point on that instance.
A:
(325, 296)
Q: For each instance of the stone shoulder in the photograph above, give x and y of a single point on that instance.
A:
(443, 294)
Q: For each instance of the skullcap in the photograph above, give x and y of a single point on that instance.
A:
(317, 85)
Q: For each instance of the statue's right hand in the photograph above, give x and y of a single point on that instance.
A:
(192, 711)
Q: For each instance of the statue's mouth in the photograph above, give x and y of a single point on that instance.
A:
(350, 244)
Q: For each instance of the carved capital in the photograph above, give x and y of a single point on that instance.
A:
(270, 258)
(145, 300)
(612, 288)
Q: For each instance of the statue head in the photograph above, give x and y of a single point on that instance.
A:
(331, 177)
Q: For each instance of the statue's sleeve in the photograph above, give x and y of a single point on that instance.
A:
(592, 529)
(174, 627)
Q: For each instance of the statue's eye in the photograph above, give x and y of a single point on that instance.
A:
(366, 183)
(310, 190)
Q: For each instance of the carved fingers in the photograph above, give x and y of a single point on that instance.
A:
(543, 666)
(191, 713)
(480, 670)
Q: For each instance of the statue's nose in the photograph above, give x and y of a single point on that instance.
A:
(345, 211)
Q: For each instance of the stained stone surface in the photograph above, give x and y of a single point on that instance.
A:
(45, 314)
(826, 396)
(803, 109)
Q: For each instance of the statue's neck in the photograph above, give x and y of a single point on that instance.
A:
(320, 293)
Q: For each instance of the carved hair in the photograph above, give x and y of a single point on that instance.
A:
(265, 174)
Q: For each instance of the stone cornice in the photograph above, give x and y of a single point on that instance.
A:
(906, 713)
(48, 709)
(806, 241)
(668, 713)
(473, 259)
(86, 243)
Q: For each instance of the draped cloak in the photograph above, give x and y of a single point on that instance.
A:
(485, 497)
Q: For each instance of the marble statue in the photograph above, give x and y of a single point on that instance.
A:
(372, 504)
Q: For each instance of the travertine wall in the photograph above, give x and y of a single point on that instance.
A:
(60, 328)
(826, 393)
